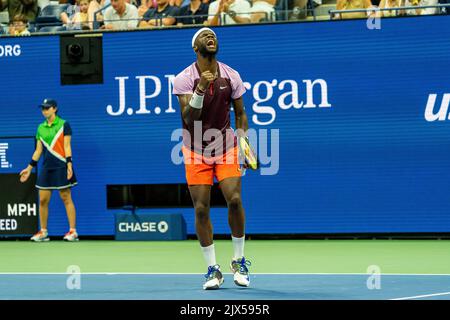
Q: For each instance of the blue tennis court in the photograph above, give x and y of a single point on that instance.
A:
(189, 287)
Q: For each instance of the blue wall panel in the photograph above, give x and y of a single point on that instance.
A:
(368, 162)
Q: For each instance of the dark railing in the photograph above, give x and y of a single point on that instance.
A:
(96, 24)
(268, 17)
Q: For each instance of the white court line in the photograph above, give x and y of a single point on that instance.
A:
(195, 273)
(423, 296)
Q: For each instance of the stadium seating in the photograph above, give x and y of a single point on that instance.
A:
(323, 12)
(52, 29)
(4, 17)
(50, 16)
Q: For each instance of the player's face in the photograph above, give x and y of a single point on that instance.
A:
(207, 44)
(48, 112)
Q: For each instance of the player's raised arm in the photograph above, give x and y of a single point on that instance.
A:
(192, 104)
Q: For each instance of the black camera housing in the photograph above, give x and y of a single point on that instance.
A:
(81, 58)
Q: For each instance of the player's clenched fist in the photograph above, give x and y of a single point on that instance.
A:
(205, 78)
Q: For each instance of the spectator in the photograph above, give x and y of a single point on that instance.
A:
(94, 6)
(196, 12)
(78, 18)
(297, 9)
(145, 5)
(415, 3)
(28, 8)
(229, 12)
(353, 4)
(164, 12)
(178, 3)
(445, 10)
(43, 3)
(69, 12)
(263, 10)
(18, 26)
(385, 4)
(121, 15)
(3, 27)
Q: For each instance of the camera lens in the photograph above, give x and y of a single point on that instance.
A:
(75, 50)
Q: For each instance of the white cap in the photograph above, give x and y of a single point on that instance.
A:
(200, 31)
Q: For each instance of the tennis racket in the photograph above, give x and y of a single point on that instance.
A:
(248, 155)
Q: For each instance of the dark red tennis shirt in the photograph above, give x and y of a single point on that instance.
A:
(212, 133)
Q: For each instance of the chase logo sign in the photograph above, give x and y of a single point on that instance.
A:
(144, 226)
(161, 226)
(4, 164)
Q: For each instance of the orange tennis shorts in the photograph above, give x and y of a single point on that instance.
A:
(202, 170)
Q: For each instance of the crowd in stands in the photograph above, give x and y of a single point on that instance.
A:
(387, 4)
(123, 14)
(131, 14)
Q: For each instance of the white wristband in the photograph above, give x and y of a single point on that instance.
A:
(196, 101)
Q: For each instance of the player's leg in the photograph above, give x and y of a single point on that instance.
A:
(66, 197)
(200, 177)
(231, 189)
(44, 200)
(229, 176)
(201, 195)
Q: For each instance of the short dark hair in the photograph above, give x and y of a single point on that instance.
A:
(20, 18)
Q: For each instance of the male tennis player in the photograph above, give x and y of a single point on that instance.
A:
(205, 92)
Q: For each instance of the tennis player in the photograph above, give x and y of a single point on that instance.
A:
(54, 143)
(206, 89)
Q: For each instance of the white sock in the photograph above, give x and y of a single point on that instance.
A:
(209, 254)
(238, 247)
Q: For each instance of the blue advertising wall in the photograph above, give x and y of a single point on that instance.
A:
(13, 151)
(362, 146)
